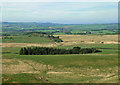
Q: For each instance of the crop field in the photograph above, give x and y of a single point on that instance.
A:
(90, 39)
(99, 67)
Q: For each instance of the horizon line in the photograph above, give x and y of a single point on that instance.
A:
(56, 23)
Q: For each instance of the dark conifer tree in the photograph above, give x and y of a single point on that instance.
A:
(54, 51)
(21, 51)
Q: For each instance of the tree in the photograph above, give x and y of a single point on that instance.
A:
(76, 50)
(25, 52)
(21, 51)
(54, 51)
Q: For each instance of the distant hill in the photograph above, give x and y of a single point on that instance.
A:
(55, 28)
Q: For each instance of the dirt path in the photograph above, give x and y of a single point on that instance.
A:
(52, 72)
(14, 66)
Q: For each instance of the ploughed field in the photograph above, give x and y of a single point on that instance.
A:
(99, 67)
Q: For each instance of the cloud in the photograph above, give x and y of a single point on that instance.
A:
(62, 12)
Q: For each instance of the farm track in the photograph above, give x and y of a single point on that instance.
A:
(29, 67)
(23, 66)
(20, 67)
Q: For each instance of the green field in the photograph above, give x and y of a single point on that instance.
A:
(26, 39)
(87, 68)
(101, 67)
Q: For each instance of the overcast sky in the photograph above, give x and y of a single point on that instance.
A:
(61, 12)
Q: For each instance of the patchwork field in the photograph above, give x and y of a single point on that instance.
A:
(68, 40)
(99, 67)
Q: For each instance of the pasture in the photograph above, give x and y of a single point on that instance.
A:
(76, 68)
(25, 39)
(89, 68)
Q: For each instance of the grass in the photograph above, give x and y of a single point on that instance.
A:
(26, 39)
(84, 68)
(99, 67)
(69, 59)
(105, 48)
(22, 77)
(112, 46)
(87, 68)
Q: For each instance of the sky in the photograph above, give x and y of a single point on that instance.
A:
(59, 0)
(61, 12)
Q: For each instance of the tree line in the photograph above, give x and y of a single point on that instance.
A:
(54, 51)
(56, 39)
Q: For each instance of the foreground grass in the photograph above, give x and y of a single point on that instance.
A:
(80, 68)
(66, 60)
(87, 68)
(23, 77)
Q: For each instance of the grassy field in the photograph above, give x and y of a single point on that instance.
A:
(26, 39)
(61, 68)
(99, 67)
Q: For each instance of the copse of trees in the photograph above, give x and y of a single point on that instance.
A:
(5, 34)
(56, 39)
(7, 37)
(54, 51)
